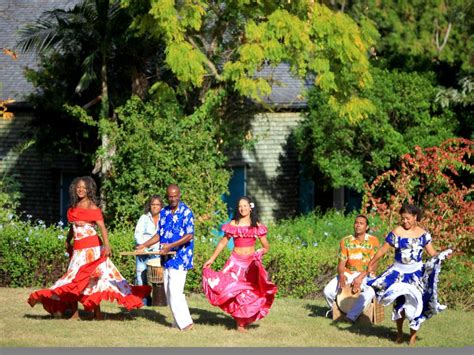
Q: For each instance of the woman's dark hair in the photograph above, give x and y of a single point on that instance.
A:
(254, 220)
(91, 188)
(413, 210)
(364, 217)
(150, 200)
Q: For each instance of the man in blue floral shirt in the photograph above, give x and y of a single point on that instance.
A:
(176, 232)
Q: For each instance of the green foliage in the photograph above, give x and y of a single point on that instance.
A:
(121, 239)
(32, 253)
(427, 31)
(215, 43)
(460, 99)
(156, 145)
(457, 278)
(341, 153)
(90, 62)
(9, 199)
(316, 229)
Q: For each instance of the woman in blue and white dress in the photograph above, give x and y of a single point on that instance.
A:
(409, 282)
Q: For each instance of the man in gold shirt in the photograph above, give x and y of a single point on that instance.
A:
(354, 256)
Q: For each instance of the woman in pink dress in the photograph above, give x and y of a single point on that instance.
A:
(241, 288)
(91, 276)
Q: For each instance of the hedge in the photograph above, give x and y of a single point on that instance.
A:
(33, 255)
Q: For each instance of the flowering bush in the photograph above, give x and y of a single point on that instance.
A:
(439, 180)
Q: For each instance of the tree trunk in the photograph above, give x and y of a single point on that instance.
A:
(103, 164)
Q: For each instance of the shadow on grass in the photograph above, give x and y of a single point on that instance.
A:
(39, 317)
(211, 318)
(375, 330)
(151, 315)
(124, 315)
(83, 316)
(317, 311)
(378, 331)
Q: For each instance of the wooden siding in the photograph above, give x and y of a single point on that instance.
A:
(273, 168)
(38, 173)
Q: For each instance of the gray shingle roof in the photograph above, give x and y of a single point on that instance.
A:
(287, 89)
(14, 14)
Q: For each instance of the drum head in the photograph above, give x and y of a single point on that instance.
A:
(345, 299)
(154, 262)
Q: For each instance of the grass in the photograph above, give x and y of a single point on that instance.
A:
(291, 323)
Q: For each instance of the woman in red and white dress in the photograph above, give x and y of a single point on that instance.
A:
(91, 276)
(241, 288)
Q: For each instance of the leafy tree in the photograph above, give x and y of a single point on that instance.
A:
(339, 153)
(418, 33)
(216, 43)
(158, 144)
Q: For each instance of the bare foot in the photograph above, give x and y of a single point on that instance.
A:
(188, 327)
(75, 315)
(412, 340)
(241, 329)
(399, 339)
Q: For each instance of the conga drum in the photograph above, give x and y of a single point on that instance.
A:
(155, 277)
(345, 299)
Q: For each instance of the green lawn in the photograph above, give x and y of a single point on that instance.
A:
(291, 323)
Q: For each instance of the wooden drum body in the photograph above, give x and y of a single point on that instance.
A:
(154, 271)
(154, 275)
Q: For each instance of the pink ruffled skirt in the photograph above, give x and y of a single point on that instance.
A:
(241, 288)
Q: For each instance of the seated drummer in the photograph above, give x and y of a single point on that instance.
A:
(145, 229)
(354, 256)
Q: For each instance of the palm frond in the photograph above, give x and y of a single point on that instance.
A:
(89, 73)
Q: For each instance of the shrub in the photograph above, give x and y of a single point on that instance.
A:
(341, 153)
(156, 145)
(33, 254)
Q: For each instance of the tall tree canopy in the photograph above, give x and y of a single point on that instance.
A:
(419, 32)
(224, 43)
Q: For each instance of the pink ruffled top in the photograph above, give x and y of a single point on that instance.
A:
(244, 236)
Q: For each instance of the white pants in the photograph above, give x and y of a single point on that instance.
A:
(173, 282)
(366, 296)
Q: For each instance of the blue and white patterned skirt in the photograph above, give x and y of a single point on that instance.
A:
(413, 288)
